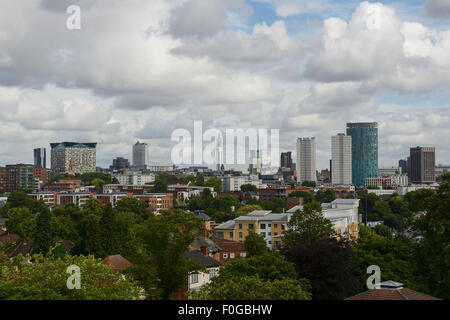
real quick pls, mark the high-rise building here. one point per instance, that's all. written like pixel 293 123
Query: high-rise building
pixel 19 177
pixel 255 165
pixel 286 160
pixel 341 158
pixel 404 165
pixel 2 179
pixel 120 164
pixel 306 159
pixel 421 166
pixel 364 151
pixel 73 157
pixel 40 158
pixel 140 154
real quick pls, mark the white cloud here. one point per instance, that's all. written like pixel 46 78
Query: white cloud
pixel 288 9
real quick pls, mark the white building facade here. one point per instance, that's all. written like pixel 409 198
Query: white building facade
pixel 306 159
pixel 341 159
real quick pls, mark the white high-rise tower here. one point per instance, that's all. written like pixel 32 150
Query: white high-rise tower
pixel 140 154
pixel 341 159
pixel 306 159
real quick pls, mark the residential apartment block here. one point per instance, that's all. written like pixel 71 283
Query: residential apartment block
pixel 341 159
pixel 343 214
pixel 306 159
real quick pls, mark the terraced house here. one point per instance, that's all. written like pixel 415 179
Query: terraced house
pixel 343 214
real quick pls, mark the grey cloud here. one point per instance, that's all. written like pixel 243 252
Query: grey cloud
pixel 438 8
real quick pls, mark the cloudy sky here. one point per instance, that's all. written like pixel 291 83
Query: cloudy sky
pixel 139 69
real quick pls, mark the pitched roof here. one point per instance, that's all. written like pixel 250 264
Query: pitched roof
pixel 391 290
pixel 230 245
pixel 117 261
pixel 22 248
pixel 8 237
pixel 226 225
pixel 206 261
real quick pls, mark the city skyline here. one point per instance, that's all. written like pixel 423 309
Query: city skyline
pixel 299 81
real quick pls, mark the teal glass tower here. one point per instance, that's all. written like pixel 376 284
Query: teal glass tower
pixel 364 151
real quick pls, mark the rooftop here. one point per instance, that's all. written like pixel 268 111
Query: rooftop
pixel 198 257
pixel 391 290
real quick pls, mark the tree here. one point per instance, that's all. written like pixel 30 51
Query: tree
pixel 43 234
pixel 98 183
pixel 307 197
pixel 249 188
pixel 383 230
pixel 308 224
pixel 253 288
pixel 329 264
pixel 311 184
pixel 245 210
pixel 166 238
pixel 266 276
pixel 255 244
pixel 21 221
pixel 135 206
pixel 45 279
pixel 266 266
pixel 394 256
pixel 433 252
pixel 326 196
pixel 214 182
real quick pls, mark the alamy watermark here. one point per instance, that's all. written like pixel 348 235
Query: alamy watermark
pixel 73 22
pixel 260 146
pixel 74 280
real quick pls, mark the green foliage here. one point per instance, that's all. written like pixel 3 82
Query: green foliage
pixel 45 279
pixel 308 224
pixel 43 233
pixel 266 266
pixel 214 182
pixel 266 276
pixel 383 230
pixel 329 264
pixel 166 238
pixel 433 252
pixel 253 288
pixel 98 183
pixel 21 221
pixel 326 196
pixel 394 256
pixel 311 184
pixel 307 197
pixel 255 244
pixel 249 188
pixel 245 210
pixel 137 207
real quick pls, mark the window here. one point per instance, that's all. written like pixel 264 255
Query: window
pixel 231 235
pixel 269 225
pixel 283 227
pixel 269 233
pixel 263 225
pixel 250 226
pixel 275 225
pixel 232 255
pixel 240 234
pixel 225 255
pixel 270 242
pixel 263 234
pixel 275 233
pixel 243 254
pixel 194 278
pixel 219 235
pixel 212 273
pixel 240 225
